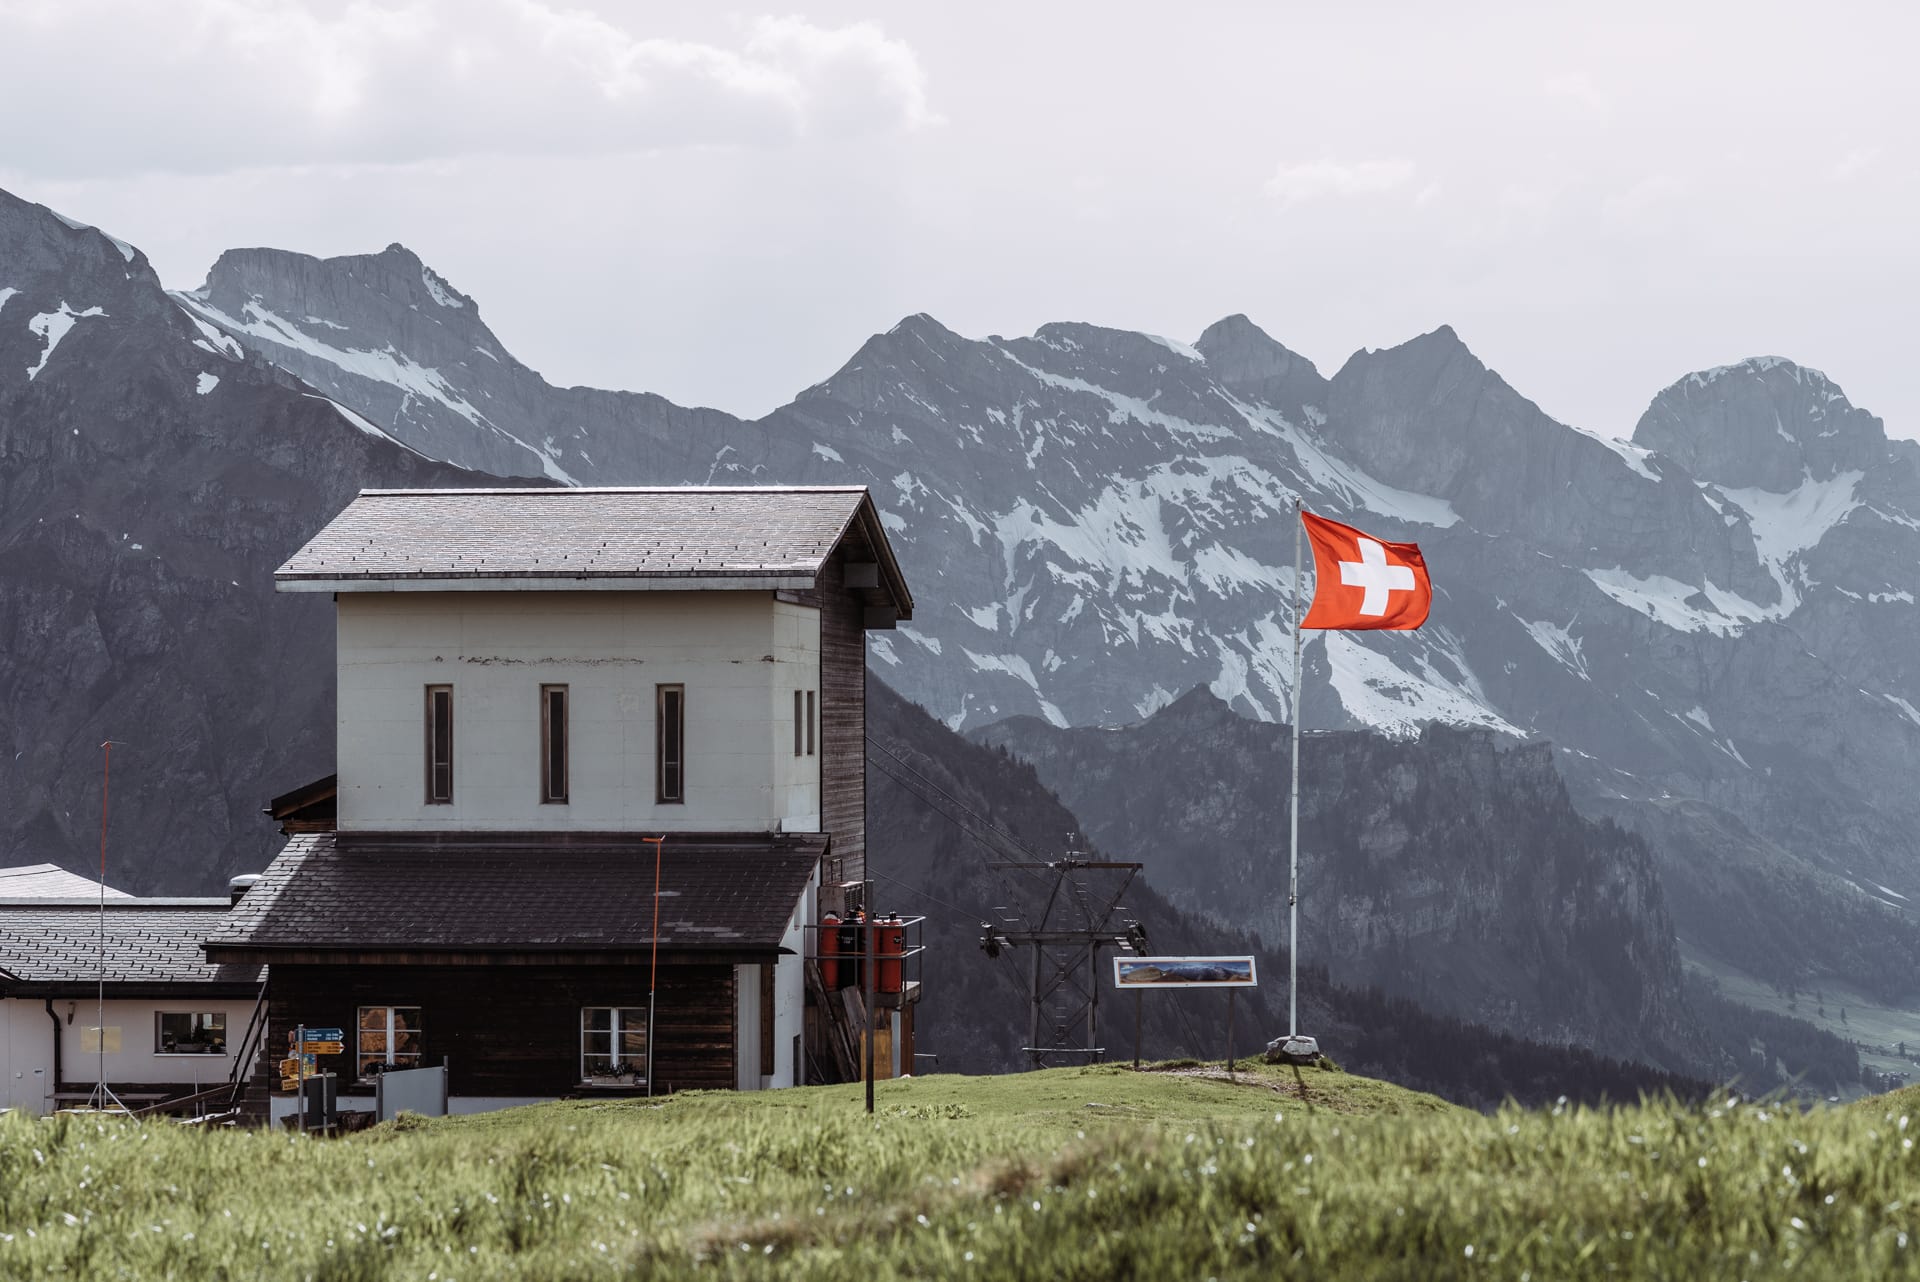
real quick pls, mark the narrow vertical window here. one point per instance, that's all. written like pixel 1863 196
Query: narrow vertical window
pixel 439 745
pixel 671 767
pixel 810 723
pixel 799 725
pixel 553 744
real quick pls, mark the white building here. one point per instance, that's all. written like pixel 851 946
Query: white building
pixel 176 1026
pixel 533 683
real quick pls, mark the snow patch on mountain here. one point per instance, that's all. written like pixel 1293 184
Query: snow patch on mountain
pixel 1682 606
pixel 51 327
pixel 126 251
pixel 1378 692
pixel 1017 667
pixel 1123 408
pixel 5 294
pixel 1343 480
pixel 213 340
pixel 1178 349
pixel 1559 642
pixel 1786 525
pixel 1632 455
pixel 442 292
pixel 206 383
pixel 387 365
pixel 360 421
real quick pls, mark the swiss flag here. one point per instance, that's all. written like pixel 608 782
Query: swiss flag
pixel 1364 582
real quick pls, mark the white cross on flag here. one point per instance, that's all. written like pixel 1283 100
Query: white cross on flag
pixel 1364 582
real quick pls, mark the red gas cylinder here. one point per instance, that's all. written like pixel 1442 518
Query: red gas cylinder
pixel 891 946
pixel 853 949
pixel 827 945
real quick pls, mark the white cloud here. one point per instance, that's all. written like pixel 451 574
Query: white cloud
pixel 1856 162
pixel 1320 179
pixel 226 85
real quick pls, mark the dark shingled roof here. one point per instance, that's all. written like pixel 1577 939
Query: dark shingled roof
pixel 151 945
pixel 641 537
pixel 544 893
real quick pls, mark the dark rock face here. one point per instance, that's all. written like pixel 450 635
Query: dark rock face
pixel 1450 869
pixel 151 479
pixel 1765 423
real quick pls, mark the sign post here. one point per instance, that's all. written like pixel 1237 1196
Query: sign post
pixel 1142 973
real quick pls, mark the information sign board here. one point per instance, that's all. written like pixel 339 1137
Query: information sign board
pixel 1184 972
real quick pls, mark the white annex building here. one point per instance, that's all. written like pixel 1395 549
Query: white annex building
pixel 179 1031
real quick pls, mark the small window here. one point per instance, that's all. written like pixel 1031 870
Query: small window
pixel 439 745
pixel 613 1045
pixel 810 723
pixel 671 714
pixel 190 1033
pixel 799 725
pixel 388 1038
pixel 553 744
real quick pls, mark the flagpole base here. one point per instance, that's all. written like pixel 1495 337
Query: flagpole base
pixel 1296 1048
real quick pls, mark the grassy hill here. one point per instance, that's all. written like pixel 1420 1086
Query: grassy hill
pixel 1072 1173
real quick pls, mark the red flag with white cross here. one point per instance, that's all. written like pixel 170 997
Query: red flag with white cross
pixel 1364 582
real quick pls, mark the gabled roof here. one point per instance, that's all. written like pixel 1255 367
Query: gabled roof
pixel 545 895
pixel 312 807
pixel 582 538
pixel 49 881
pixel 152 946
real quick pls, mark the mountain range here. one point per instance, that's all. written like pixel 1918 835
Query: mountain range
pixel 1702 631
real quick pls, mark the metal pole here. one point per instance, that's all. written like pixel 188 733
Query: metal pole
pixel 867 982
pixel 1293 808
pixel 653 969
pixel 300 1071
pixel 1229 1032
pixel 1093 1002
pixel 1136 1027
pixel 100 1000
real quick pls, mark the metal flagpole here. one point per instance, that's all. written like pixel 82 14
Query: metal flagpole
pixel 1293 809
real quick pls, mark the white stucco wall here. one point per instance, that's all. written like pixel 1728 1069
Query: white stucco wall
pixel 26 1055
pixel 26 1046
pixel 740 656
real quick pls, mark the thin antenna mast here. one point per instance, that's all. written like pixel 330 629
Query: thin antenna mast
pixel 101 1092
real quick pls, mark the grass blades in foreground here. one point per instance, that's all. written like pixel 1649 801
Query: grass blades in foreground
pixel 1068 1174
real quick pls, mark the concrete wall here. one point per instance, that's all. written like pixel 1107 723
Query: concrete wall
pixel 740 655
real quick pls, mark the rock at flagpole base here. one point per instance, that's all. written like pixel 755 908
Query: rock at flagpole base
pixel 1295 1049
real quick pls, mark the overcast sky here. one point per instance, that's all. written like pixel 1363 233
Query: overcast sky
pixel 720 206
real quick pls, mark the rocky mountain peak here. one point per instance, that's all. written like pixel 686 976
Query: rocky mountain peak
pixel 54 265
pixel 1764 423
pixel 1248 362
pixel 367 295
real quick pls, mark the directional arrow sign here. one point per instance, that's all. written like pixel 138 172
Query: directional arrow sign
pixel 323 1048
pixel 325 1035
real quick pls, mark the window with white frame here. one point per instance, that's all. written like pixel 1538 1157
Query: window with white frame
pixel 613 1045
pixel 388 1037
pixel 190 1032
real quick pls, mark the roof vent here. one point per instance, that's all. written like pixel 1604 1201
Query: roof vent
pixel 238 886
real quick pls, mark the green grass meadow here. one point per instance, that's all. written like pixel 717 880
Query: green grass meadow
pixel 1067 1174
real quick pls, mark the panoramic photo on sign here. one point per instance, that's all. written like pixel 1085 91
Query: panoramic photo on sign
pixel 1184 972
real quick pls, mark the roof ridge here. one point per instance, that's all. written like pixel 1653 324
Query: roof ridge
pixel 560 491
